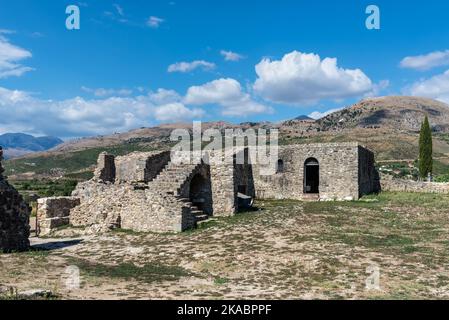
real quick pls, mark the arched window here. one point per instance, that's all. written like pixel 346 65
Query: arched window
pixel 280 166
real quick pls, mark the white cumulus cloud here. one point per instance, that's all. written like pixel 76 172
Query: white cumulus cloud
pixel 10 56
pixel 436 87
pixel 231 56
pixel 177 111
pixel 75 117
pixel 318 114
pixel 102 92
pixel 228 94
pixel 305 78
pixel 426 61
pixel 190 66
pixel 164 96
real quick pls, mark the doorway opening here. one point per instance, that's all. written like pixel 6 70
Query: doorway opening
pixel 311 176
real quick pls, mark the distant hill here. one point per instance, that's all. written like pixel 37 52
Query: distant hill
pixel 303 118
pixel 387 125
pixel 18 144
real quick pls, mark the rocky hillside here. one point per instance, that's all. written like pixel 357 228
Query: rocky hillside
pixel 395 113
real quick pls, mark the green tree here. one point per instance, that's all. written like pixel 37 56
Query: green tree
pixel 425 149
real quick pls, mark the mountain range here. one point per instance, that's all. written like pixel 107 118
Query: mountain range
pixel 387 125
pixel 18 144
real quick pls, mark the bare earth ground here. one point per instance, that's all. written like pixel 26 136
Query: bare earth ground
pixel 285 250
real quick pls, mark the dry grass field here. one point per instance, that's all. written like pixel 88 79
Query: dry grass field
pixel 283 250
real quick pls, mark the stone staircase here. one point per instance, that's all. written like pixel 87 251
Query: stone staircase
pixel 172 180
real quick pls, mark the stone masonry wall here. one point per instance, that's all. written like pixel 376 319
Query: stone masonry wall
pixel 105 170
pixel 54 212
pixel 224 192
pixel 338 172
pixel 14 217
pixel 140 166
pixel 389 183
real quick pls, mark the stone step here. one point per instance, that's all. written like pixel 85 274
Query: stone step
pixel 203 217
pixel 310 197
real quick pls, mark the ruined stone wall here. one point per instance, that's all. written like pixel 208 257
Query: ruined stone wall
pixel 389 183
pixel 156 212
pixel 127 203
pixel 243 174
pixel 338 172
pixel 199 185
pixel 105 170
pixel 140 166
pixel 224 192
pixel 54 212
pixel 99 204
pixel 14 217
pixel 124 206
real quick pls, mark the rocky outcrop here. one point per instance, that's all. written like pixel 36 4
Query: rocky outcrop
pixel 14 217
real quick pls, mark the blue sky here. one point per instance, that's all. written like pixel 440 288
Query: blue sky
pixel 140 63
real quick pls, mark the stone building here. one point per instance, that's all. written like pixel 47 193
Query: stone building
pixel 331 171
pixel 146 191
pixel 14 217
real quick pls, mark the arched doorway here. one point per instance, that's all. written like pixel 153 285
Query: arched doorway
pixel 311 176
pixel 200 193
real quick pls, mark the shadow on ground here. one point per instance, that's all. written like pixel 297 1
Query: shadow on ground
pixel 54 245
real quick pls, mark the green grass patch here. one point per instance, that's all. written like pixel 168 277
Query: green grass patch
pixel 220 281
pixel 148 273
pixel 45 188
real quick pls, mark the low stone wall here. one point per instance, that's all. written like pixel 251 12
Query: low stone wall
pixel 54 212
pixel 111 206
pixel 156 212
pixel 100 204
pixel 402 185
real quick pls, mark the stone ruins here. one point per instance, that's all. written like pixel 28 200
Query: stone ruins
pixel 14 217
pixel 146 191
